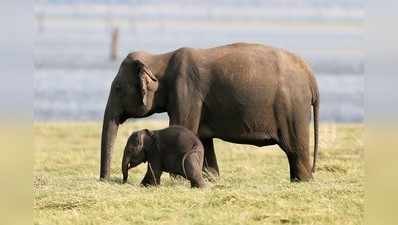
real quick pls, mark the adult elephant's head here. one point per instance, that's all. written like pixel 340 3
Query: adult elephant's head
pixel 134 94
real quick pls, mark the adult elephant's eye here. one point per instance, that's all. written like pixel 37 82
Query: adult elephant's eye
pixel 119 90
pixel 118 87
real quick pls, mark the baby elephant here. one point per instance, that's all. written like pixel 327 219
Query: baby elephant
pixel 174 150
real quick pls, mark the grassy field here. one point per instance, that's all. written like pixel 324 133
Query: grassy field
pixel 254 186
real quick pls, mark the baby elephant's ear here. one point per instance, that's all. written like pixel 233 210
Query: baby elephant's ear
pixel 148 133
pixel 143 135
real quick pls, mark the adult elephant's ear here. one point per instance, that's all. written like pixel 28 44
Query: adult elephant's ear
pixel 148 83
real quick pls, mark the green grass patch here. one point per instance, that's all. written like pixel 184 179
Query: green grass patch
pixel 254 186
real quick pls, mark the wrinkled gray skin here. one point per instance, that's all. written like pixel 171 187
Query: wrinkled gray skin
pixel 241 93
pixel 174 150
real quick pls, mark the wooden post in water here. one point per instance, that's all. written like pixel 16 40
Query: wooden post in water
pixel 114 43
pixel 40 21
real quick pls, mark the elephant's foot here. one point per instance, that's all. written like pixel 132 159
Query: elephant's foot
pixel 300 170
pixel 301 178
pixel 209 171
pixel 104 179
pixel 151 178
pixel 210 165
pixel 210 174
pixel 105 174
pixel 175 176
pixel 198 183
pixel 150 182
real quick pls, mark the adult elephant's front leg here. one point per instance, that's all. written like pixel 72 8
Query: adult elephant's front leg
pixel 210 161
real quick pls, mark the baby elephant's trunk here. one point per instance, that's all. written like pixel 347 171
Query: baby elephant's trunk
pixel 125 168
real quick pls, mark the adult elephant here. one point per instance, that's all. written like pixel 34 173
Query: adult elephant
pixel 241 93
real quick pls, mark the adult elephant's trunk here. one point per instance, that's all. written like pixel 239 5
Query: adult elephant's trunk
pixel 125 167
pixel 109 132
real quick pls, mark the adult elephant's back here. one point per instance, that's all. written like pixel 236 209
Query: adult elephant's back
pixel 251 86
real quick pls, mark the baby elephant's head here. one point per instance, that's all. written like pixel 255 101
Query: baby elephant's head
pixel 135 151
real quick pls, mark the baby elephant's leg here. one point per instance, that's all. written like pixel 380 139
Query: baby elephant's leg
pixel 152 176
pixel 193 171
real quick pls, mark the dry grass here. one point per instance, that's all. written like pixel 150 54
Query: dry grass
pixel 254 186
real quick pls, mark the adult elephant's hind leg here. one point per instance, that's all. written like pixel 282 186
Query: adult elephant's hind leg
pixel 210 165
pixel 294 140
pixel 299 167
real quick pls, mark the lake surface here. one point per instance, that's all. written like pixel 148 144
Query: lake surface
pixel 81 95
pixel 73 71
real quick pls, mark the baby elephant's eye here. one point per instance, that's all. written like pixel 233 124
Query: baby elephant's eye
pixel 130 147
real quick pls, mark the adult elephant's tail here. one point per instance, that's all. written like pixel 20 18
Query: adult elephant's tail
pixel 315 106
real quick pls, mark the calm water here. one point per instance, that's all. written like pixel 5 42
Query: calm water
pixel 81 95
pixel 73 71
